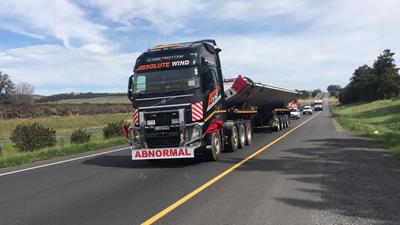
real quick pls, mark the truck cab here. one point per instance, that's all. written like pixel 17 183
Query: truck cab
pixel 176 91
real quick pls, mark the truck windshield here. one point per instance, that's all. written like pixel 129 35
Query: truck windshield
pixel 166 81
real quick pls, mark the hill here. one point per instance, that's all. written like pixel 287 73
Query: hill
pixel 379 120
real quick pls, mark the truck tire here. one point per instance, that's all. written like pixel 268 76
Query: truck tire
pixel 242 136
pixel 233 144
pixel 216 146
pixel 280 127
pixel 275 129
pixel 249 133
pixel 285 122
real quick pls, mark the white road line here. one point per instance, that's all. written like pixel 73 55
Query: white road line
pixel 60 162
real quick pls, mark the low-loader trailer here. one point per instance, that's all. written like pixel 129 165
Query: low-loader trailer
pixel 183 107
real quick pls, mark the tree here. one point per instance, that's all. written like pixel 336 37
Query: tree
pixel 379 82
pixel 22 94
pixel 334 90
pixel 315 92
pixel 304 94
pixel 6 89
pixel 388 78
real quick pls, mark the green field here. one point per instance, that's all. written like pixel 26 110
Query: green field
pixel 9 156
pixel 63 124
pixel 98 100
pixel 379 120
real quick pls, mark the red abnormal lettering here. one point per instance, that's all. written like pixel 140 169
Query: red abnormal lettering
pixel 165 153
pixel 174 152
pixel 181 152
pixel 144 154
pixel 158 153
pixel 187 152
pixel 151 153
pixel 137 154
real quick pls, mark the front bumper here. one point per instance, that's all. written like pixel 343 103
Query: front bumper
pixel 178 140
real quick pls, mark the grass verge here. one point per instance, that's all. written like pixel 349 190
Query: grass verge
pixel 58 151
pixel 63 123
pixel 379 120
pixel 97 100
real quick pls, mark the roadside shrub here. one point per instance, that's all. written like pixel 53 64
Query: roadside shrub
pixel 113 129
pixel 80 136
pixel 29 137
pixel 1 151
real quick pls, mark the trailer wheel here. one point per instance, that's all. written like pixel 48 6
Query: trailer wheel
pixel 249 133
pixel 215 152
pixel 233 140
pixel 242 136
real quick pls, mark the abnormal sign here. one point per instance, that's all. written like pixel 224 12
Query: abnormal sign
pixel 165 153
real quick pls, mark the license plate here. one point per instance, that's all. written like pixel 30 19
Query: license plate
pixel 161 128
pixel 164 153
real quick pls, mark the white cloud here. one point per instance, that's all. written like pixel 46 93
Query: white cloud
pixel 342 36
pixel 45 66
pixel 59 19
pixel 163 15
pixel 256 11
pixel 322 44
pixel 296 62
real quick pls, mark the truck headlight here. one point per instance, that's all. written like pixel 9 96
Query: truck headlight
pixel 151 122
pixel 196 132
pixel 174 121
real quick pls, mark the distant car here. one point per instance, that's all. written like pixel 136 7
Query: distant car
pixel 295 113
pixel 307 110
pixel 318 107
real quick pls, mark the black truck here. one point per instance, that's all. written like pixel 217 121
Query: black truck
pixel 183 107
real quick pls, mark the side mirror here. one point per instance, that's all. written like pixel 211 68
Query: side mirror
pixel 130 88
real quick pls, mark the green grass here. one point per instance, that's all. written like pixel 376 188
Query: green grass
pixel 10 157
pixel 98 100
pixel 63 123
pixel 379 120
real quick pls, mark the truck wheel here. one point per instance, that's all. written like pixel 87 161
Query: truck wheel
pixel 275 129
pixel 249 133
pixel 280 124
pixel 285 122
pixel 233 140
pixel 242 136
pixel 215 146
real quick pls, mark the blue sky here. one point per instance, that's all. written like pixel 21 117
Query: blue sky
pixel 91 45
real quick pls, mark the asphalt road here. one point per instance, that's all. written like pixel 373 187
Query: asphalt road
pixel 316 174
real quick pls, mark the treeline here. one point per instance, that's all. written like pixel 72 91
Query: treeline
pixel 381 81
pixel 308 93
pixel 18 101
pixel 45 110
pixel 73 95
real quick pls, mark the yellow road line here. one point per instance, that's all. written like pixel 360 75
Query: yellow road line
pixel 175 205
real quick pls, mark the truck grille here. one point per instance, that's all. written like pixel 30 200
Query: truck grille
pixel 162 118
pixel 162 139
